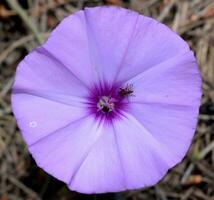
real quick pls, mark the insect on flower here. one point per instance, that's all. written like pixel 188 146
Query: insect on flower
pixel 126 91
pixel 74 114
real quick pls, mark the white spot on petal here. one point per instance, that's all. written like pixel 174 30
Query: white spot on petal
pixel 33 124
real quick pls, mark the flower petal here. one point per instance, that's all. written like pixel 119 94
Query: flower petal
pixel 176 81
pixel 101 171
pixel 60 154
pixel 151 44
pixel 68 44
pixel 145 160
pixel 172 125
pixel 110 32
pixel 40 72
pixel 128 156
pixel 38 117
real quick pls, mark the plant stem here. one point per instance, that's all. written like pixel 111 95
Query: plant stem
pixel 22 14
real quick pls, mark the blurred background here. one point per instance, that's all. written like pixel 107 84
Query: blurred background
pixel 26 23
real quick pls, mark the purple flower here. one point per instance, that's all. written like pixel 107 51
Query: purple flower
pixel 109 102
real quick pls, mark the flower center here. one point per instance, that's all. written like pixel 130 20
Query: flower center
pixel 106 104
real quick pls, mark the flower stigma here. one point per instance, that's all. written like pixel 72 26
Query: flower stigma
pixel 106 104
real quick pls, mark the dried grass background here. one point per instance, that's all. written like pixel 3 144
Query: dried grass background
pixel 25 23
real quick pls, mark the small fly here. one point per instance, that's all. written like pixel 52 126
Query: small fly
pixel 126 91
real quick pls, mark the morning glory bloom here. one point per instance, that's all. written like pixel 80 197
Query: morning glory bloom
pixel 109 102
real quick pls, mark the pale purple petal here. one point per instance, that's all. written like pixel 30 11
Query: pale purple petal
pixel 43 99
pixel 176 81
pixel 173 126
pixel 145 160
pixel 68 44
pixel 151 44
pixel 110 32
pixel 61 153
pixel 41 72
pixel 101 170
pixel 38 117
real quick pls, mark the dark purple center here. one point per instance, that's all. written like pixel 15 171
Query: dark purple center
pixel 106 102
